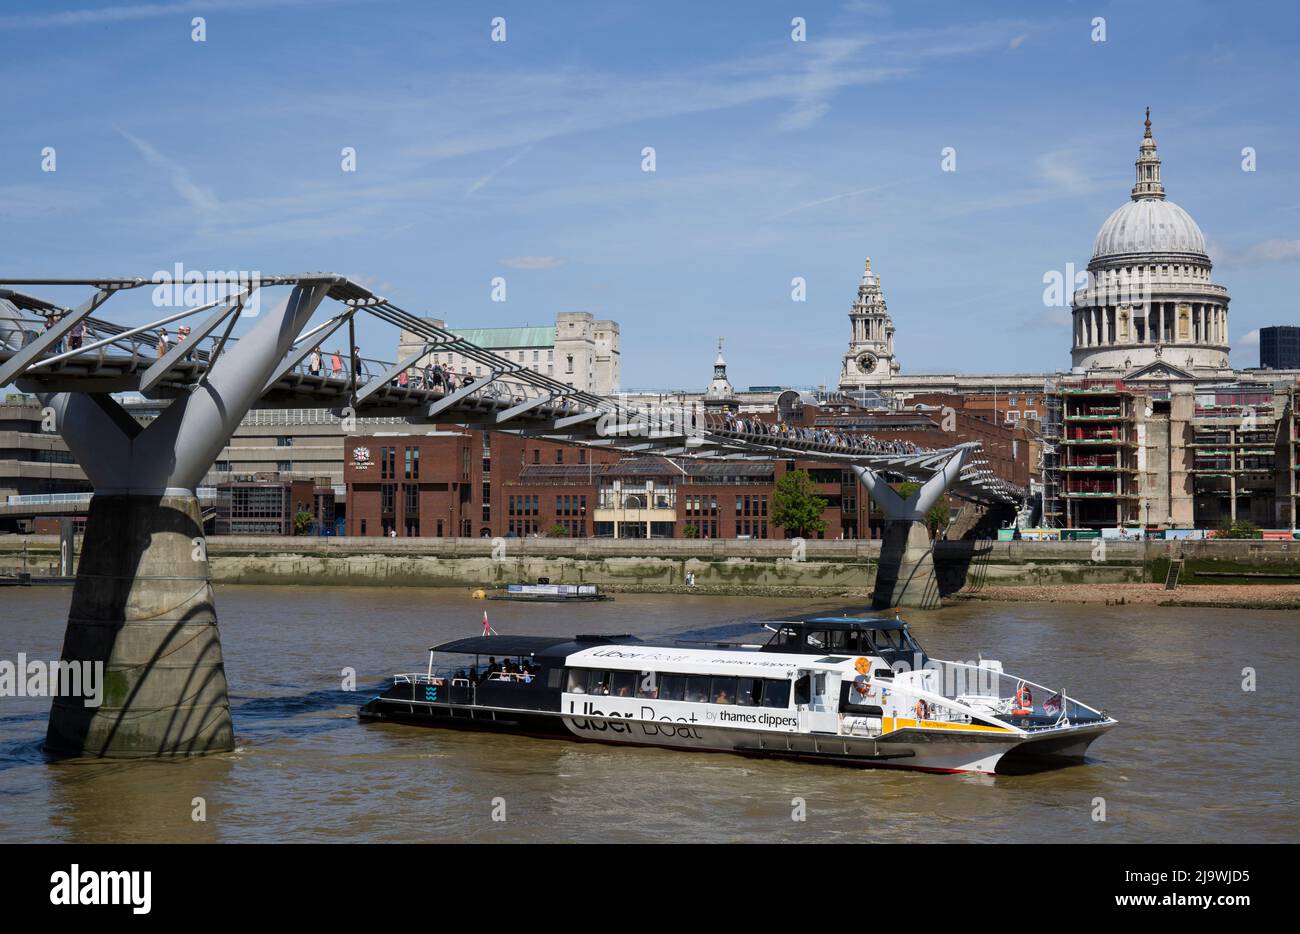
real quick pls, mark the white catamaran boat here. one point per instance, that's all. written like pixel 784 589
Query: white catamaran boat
pixel 847 690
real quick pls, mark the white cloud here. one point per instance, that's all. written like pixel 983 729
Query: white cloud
pixel 533 263
pixel 839 197
pixel 1249 339
pixel 508 108
pixel 498 170
pixel 200 198
pixel 1060 169
pixel 142 11
pixel 1267 251
pixel 1018 41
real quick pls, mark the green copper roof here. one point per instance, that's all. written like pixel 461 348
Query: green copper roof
pixel 496 338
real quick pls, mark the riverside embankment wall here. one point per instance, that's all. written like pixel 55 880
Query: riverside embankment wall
pixel 723 566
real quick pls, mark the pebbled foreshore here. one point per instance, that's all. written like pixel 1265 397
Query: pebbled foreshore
pixel 1236 596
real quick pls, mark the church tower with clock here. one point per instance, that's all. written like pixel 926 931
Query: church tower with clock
pixel 869 361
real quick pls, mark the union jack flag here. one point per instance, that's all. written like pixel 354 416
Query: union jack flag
pixel 1054 704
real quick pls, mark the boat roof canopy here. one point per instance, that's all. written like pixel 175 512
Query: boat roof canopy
pixel 508 646
pixel 841 622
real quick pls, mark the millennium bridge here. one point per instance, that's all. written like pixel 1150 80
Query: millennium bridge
pixel 142 604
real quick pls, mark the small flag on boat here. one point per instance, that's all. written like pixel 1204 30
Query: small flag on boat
pixel 487 627
pixel 1054 704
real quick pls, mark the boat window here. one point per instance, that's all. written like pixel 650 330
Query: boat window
pixel 598 682
pixel 787 637
pixel 749 692
pixel 697 689
pixel 895 646
pixel 553 678
pixel 886 639
pixel 819 639
pixel 724 691
pixel 578 680
pixel 672 687
pixel 842 640
pixel 803 689
pixel 776 694
pixel 913 647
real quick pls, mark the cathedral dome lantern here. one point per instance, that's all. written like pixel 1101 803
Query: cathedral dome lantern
pixel 1149 285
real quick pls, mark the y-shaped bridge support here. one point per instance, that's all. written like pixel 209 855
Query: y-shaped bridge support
pixel 905 576
pixel 142 604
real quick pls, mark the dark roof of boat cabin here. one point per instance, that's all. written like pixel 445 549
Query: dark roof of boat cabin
pixel 510 646
pixel 816 621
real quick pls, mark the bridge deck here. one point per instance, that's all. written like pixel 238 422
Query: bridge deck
pixel 102 356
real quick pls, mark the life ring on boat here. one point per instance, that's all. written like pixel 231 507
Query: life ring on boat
pixel 1024 703
pixel 921 710
pixel 860 690
pixel 862 666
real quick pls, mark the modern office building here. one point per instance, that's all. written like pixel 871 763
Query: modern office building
pixel 268 505
pixel 1279 347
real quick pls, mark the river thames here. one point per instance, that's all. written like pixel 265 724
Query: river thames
pixel 1194 759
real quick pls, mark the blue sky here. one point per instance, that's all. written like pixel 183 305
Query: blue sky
pixel 774 159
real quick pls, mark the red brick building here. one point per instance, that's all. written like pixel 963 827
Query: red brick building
pixel 410 484
pixel 472 483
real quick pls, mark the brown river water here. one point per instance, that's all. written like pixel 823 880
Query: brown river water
pixel 1195 758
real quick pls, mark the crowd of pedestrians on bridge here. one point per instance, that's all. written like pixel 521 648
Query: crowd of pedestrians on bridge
pixel 438 378
pixel 824 436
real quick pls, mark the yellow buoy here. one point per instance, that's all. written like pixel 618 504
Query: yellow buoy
pixel 480 595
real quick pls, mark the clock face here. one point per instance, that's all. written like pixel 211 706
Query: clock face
pixel 867 362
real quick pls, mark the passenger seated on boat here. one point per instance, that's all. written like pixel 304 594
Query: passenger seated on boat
pixel 724 691
pixel 697 689
pixel 492 668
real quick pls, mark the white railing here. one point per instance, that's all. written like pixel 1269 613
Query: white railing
pixel 46 499
pixel 992 692
pixel 55 499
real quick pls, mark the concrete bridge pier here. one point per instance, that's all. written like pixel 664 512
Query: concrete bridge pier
pixel 142 605
pixel 905 576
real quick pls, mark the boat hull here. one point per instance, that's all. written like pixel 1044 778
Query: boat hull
pixel 931 750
